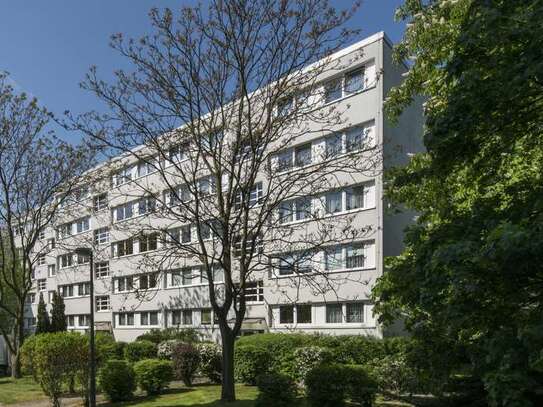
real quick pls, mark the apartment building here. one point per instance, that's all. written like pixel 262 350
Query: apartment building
pixel 132 298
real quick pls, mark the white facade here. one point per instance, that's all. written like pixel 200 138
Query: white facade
pixel 177 299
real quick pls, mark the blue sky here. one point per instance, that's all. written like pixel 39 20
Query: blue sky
pixel 48 46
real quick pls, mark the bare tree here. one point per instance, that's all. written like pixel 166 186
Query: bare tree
pixel 35 168
pixel 216 112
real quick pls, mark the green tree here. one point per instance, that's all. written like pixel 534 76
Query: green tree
pixel 58 316
pixel 469 283
pixel 43 324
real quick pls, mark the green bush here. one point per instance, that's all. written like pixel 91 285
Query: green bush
pixel 166 348
pixel 153 375
pixel 210 361
pixel 186 361
pixel 58 359
pixel 307 358
pixel 188 335
pixel 326 386
pixel 27 357
pixel 140 350
pixel 117 380
pixel 275 390
pixel 394 374
pixel 361 386
pixel 107 348
pixel 250 362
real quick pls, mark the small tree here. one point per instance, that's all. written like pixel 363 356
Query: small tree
pixel 58 316
pixel 43 324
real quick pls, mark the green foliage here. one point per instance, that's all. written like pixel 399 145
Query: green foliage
pixel 187 335
pixel 165 349
pixel 361 385
pixel 107 348
pixel 117 379
pixel 276 390
pixel 307 358
pixel 394 374
pixel 468 282
pixel 250 362
pixel 58 316
pixel 210 361
pixel 59 358
pixel 27 357
pixel 153 375
pixel 139 350
pixel 186 361
pixel 42 325
pixel 326 386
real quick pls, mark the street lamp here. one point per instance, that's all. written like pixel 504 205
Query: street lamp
pixel 85 251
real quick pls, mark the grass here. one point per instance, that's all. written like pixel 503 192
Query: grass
pixel 19 390
pixel 25 390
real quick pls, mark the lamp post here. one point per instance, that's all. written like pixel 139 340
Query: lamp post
pixel 85 251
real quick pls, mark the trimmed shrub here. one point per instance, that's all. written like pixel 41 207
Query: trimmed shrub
pixel 307 358
pixel 156 336
pixel 326 386
pixel 250 362
pixel 394 375
pixel 210 361
pixel 186 361
pixel 107 348
pixel 117 380
pixel 58 359
pixel 27 357
pixel 361 386
pixel 153 375
pixel 165 349
pixel 276 390
pixel 139 350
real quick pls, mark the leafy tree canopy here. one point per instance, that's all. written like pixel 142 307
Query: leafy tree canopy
pixel 470 281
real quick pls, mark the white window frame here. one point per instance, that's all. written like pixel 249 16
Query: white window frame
pixel 103 303
pixel 101 271
pixel 101 235
pixel 100 202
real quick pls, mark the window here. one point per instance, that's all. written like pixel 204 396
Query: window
pixel 123 212
pixel 83 289
pixel 333 145
pixel 64 230
pixel 205 316
pixel 66 291
pixel 146 205
pixel 82 259
pixel 354 197
pixel 147 167
pixel 218 274
pixel 41 259
pixel 147 281
pixel 356 138
pixel 332 90
pixel 295 263
pixel 251 243
pixel 333 258
pixel 354 81
pixel 101 236
pixel 333 202
pixel 42 284
pixel 302 155
pixel 31 298
pixel 125 284
pixel 284 107
pixel 99 202
pixel 70 320
pixel 286 314
pixel 255 196
pixel 177 195
pixel 355 312
pixel 254 291
pixel 334 314
pixel 148 243
pixel 126 319
pixel 294 210
pixel 284 161
pixel 206 186
pixel 102 303
pixel 182 317
pixel 51 270
pixel 355 255
pixel 50 296
pixel 102 269
pixel 303 314
pixel 51 243
pixel 149 318
pixel 41 235
pixel 82 225
pixel 83 320
pixel 122 177
pixel 187 317
pixel 177 153
pixel 122 248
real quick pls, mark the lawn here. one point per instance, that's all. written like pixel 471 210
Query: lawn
pixel 25 390
pixel 19 390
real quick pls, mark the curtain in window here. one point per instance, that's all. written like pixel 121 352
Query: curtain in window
pixel 334 314
pixel 355 197
pixel 334 258
pixel 355 312
pixel 333 202
pixel 355 255
pixel 333 145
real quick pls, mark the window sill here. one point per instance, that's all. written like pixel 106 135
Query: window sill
pixel 326 216
pixel 324 272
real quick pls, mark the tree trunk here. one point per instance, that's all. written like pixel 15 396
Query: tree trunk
pixel 228 392
pixel 16 365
